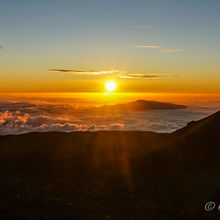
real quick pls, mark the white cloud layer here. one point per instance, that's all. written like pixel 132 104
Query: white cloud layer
pixel 23 117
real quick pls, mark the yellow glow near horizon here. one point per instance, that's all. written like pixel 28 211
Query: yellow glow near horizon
pixel 110 86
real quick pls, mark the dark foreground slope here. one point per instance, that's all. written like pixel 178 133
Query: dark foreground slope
pixel 112 175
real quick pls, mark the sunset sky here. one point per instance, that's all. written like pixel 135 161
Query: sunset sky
pixel 76 46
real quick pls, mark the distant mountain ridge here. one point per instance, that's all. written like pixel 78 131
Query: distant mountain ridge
pixel 141 105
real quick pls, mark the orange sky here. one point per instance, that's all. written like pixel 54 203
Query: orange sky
pixel 149 46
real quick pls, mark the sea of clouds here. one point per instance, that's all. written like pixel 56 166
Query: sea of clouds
pixel 23 117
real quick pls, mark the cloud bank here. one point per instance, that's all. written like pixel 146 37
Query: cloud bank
pixel 17 123
pixel 23 117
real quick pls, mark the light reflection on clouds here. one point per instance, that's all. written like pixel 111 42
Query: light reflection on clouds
pixel 23 117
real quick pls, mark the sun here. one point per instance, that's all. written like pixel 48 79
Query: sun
pixel 110 86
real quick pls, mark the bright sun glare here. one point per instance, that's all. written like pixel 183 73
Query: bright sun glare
pixel 110 86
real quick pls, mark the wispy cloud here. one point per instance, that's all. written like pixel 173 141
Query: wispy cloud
pixel 85 72
pixel 143 76
pixel 144 26
pixel 173 50
pixel 148 46
pixel 112 73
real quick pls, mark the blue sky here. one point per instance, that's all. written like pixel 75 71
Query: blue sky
pixel 102 35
